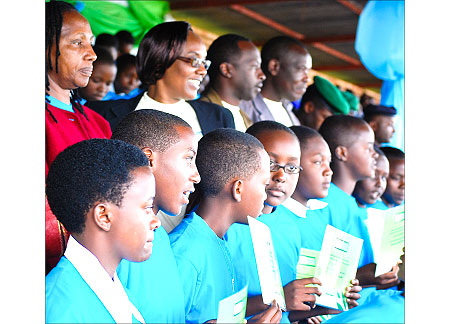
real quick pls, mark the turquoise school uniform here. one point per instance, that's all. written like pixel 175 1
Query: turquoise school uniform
pixel 312 221
pixel 205 266
pixel 380 307
pixel 155 284
pixel 379 204
pixel 286 243
pixel 346 215
pixel 70 299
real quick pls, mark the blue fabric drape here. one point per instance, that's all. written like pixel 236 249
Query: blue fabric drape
pixel 380 44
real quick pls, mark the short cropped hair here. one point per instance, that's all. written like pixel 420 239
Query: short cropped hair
pixel 108 40
pixel 304 134
pixel 103 56
pixel 124 37
pixel 224 49
pixel 88 172
pixel 159 49
pixel 341 130
pixel 223 155
pixel 268 125
pixel 124 61
pixel 393 153
pixel 312 95
pixel 152 128
pixel 277 48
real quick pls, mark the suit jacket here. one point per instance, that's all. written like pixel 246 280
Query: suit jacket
pixel 257 110
pixel 210 95
pixel 210 116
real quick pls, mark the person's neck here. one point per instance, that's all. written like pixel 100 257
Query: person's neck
pixel 300 198
pixel 226 93
pixel 270 92
pixel 268 209
pixel 101 251
pixel 158 93
pixel 387 203
pixel 59 93
pixel 221 221
pixel 344 181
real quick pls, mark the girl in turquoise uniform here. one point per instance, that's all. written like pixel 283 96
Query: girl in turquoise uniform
pixel 100 190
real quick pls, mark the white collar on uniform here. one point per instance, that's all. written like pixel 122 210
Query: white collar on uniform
pixel 110 292
pixel 299 209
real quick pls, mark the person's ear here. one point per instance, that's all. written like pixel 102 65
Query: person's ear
pixel 236 190
pixel 341 153
pixel 273 66
pixel 150 156
pixel 373 124
pixel 226 70
pixel 102 216
pixel 309 107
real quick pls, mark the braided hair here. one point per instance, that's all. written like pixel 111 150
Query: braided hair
pixel 54 11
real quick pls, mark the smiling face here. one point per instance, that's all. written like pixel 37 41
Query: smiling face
pixel 134 222
pixel 175 173
pixel 395 189
pixel 315 179
pixel 77 55
pixel 368 191
pixel 100 82
pixel 181 80
pixel 248 77
pixel 283 148
pixel 292 78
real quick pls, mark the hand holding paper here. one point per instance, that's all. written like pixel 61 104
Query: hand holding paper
pixel 297 293
pixel 270 315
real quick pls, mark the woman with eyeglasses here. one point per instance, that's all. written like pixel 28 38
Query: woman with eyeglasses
pixel 171 64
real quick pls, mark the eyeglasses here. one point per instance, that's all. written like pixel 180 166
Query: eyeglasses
pixel 195 62
pixel 288 168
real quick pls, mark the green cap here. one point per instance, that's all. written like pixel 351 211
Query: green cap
pixel 352 100
pixel 332 95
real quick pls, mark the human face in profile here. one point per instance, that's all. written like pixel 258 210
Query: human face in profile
pixel 293 76
pixel 254 189
pixel 176 173
pixel 247 74
pixel 134 222
pixel 315 179
pixel 75 63
pixel 362 156
pixel 181 81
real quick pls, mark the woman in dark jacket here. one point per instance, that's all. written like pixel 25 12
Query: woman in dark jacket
pixel 171 64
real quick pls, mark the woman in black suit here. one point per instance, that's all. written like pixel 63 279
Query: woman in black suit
pixel 171 64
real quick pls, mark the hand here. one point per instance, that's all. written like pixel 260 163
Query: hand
pixel 270 315
pixel 296 294
pixel 314 320
pixel 213 321
pixel 388 279
pixel 352 293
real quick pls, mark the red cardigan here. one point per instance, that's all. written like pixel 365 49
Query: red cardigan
pixel 71 128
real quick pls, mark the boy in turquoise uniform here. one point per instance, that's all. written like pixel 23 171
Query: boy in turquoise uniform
pixel 169 144
pixel 395 189
pixel 351 143
pixel 284 151
pixel 101 190
pixel 368 192
pixel 235 170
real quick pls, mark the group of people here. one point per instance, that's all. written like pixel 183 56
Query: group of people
pixel 147 196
